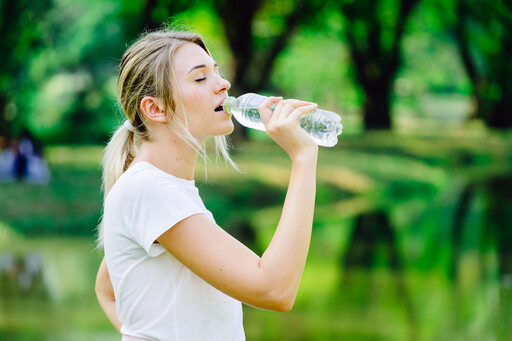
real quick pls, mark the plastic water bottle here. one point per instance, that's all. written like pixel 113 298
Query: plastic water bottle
pixel 323 126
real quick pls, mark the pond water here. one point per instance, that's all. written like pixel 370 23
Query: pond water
pixel 47 294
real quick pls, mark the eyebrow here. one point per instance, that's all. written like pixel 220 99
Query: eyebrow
pixel 200 66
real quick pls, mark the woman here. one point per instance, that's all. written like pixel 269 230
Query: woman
pixel 177 275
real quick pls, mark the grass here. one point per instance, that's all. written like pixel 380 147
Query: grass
pixel 68 205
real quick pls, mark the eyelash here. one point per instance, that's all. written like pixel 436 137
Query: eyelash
pixel 200 79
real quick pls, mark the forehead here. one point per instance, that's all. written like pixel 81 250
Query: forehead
pixel 188 56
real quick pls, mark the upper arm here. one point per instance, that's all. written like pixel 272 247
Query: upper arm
pixel 221 260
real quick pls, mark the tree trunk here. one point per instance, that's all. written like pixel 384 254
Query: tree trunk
pixel 253 66
pixel 372 232
pixel 500 220
pixel 237 18
pixel 147 20
pixel 377 106
pixel 376 62
pixel 500 116
pixel 496 73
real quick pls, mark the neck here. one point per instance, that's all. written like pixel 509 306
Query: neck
pixel 170 154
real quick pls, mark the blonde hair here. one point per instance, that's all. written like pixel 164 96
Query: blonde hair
pixel 146 69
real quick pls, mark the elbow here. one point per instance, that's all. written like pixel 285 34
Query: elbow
pixel 284 306
pixel 271 292
pixel 98 291
pixel 102 292
pixel 280 301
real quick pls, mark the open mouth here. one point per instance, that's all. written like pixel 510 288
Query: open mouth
pixel 219 108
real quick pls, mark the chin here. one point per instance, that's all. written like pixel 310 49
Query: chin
pixel 231 128
pixel 224 129
pixel 227 129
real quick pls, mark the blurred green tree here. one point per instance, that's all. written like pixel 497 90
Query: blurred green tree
pixel 483 30
pixel 73 76
pixel 22 32
pixel 149 15
pixel 373 33
pixel 257 31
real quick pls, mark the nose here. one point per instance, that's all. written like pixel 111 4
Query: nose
pixel 222 85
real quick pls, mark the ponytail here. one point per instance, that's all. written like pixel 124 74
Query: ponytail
pixel 118 155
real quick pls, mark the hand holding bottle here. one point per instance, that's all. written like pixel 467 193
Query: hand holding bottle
pixel 322 125
pixel 281 124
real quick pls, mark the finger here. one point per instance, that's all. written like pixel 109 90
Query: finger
pixel 285 108
pixel 277 110
pixel 296 114
pixel 264 108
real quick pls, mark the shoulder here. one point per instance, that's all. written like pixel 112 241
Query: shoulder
pixel 143 177
pixel 145 182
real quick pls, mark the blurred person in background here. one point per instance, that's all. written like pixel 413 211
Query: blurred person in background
pixel 23 161
pixel 169 271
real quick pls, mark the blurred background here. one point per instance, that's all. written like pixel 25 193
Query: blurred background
pixel 412 238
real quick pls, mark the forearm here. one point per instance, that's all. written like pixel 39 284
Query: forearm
pixel 105 295
pixel 109 307
pixel 283 261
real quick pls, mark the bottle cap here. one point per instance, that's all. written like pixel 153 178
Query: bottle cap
pixel 225 105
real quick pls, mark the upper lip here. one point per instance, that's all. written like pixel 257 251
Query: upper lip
pixel 221 103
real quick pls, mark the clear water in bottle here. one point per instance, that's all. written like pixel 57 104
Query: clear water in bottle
pixel 323 126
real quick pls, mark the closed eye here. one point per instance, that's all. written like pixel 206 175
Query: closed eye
pixel 200 79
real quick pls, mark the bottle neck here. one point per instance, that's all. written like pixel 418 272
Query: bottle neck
pixel 228 104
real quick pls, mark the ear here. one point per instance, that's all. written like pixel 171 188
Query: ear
pixel 153 109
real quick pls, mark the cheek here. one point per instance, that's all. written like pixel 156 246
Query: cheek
pixel 187 101
pixel 195 97
pixel 191 95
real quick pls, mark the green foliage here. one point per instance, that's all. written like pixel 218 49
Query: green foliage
pixel 428 45
pixel 22 29
pixel 312 67
pixel 75 100
pixel 58 78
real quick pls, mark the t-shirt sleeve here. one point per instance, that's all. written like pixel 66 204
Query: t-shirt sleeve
pixel 162 204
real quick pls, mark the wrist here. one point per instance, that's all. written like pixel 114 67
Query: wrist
pixel 306 157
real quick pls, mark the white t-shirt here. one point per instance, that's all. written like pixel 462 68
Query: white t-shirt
pixel 157 297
